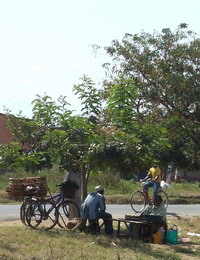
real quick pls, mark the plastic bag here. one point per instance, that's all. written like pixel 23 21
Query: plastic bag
pixel 164 185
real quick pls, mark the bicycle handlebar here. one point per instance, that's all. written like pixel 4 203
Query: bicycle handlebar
pixel 144 182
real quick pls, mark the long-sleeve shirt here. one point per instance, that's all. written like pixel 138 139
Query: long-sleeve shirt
pixel 93 203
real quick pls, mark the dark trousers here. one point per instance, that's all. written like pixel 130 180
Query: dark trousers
pixel 107 218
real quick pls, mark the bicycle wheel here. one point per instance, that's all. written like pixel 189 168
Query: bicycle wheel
pixel 67 210
pixel 164 196
pixel 42 214
pixel 138 202
pixel 23 210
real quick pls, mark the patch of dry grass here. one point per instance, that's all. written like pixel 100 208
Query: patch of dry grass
pixel 22 243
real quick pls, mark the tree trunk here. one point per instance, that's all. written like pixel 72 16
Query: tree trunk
pixel 81 178
pixel 84 179
pixel 76 177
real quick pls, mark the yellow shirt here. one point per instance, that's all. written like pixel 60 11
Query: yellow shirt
pixel 155 171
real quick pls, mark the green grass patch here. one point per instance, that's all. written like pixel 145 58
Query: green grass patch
pixel 116 190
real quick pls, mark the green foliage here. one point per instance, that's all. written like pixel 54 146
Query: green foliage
pixel 49 114
pixel 53 136
pixel 110 182
pixel 35 161
pixel 9 155
pixel 164 67
pixel 121 103
pixel 90 97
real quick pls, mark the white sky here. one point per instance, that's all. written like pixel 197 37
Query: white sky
pixel 45 45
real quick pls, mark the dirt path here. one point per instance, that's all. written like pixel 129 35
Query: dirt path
pixel 11 223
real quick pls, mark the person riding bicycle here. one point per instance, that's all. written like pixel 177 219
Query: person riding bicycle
pixel 154 175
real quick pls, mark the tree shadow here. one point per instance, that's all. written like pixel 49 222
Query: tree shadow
pixel 190 249
pixel 160 252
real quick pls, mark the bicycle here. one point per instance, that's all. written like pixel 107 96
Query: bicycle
pixel 28 199
pixel 47 212
pixel 139 201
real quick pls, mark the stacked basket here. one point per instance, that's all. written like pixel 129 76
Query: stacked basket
pixel 17 187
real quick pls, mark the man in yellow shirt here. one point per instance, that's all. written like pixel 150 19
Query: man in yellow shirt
pixel 154 177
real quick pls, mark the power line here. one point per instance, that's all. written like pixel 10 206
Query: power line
pixel 18 105
pixel 10 94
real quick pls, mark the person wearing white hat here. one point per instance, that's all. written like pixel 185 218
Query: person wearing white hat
pixel 99 188
pixel 94 208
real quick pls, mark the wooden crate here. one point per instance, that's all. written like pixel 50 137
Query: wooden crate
pixel 17 187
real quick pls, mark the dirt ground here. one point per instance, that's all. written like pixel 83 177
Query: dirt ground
pixel 11 223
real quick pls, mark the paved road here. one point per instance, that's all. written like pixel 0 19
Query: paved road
pixel 11 212
pixel 172 210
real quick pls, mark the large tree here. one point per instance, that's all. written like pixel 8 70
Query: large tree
pixel 165 67
pixel 130 143
pixel 55 136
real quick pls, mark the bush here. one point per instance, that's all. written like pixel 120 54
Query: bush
pixel 111 183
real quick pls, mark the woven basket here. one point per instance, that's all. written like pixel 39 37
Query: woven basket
pixel 68 192
pixel 17 187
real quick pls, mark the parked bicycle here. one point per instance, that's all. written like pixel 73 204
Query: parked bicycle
pixel 47 212
pixel 139 200
pixel 28 199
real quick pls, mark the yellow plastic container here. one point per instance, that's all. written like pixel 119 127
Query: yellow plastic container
pixel 157 238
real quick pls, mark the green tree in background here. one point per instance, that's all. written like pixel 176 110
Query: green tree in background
pixel 165 68
pixel 91 99
pixel 54 137
pixel 131 143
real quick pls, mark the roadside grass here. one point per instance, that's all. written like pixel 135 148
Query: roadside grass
pixel 117 190
pixel 23 243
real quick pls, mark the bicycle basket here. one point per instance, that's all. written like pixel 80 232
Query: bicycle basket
pixel 68 189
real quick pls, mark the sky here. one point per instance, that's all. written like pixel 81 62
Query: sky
pixel 46 45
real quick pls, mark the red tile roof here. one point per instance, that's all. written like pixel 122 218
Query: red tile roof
pixel 5 133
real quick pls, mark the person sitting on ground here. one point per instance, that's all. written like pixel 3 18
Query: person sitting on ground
pixel 94 207
pixel 154 175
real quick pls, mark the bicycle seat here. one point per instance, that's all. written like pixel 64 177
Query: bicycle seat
pixel 32 188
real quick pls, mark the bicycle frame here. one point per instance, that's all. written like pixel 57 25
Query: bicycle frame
pixel 140 197
pixel 150 189
pixel 58 198
pixel 55 209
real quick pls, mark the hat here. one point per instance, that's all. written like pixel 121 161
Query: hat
pixel 99 188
